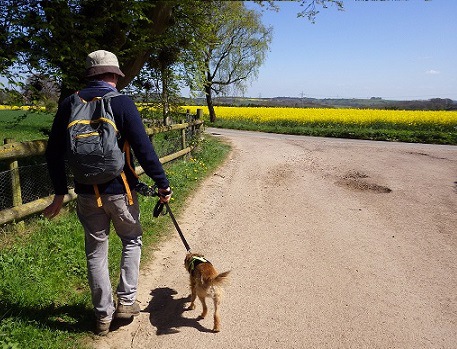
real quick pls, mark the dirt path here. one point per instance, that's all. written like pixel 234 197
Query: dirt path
pixel 333 244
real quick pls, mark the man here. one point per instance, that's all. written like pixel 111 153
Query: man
pixel 102 70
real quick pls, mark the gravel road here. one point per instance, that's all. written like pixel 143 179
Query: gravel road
pixel 332 243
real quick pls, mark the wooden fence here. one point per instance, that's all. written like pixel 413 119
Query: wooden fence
pixel 11 151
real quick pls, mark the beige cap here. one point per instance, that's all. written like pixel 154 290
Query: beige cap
pixel 101 62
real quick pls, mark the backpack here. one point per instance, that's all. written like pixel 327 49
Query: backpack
pixel 93 151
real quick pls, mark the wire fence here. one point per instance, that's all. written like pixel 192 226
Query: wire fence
pixel 34 181
pixel 34 178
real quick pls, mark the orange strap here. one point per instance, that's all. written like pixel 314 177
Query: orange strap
pixel 97 196
pixel 123 176
pixel 127 188
pixel 127 157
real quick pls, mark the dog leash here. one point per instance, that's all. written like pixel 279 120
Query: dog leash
pixel 146 190
pixel 181 235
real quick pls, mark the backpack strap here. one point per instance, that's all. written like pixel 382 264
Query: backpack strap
pixel 128 160
pixel 97 196
pixel 127 188
pixel 127 191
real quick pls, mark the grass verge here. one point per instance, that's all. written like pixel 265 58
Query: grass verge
pixel 44 296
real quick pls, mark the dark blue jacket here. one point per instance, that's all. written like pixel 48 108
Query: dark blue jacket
pixel 131 128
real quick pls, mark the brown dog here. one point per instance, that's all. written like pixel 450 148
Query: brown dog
pixel 205 282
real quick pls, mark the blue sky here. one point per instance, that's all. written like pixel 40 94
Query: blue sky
pixel 394 49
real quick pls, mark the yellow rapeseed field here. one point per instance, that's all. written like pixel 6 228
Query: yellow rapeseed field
pixel 23 107
pixel 322 115
pixel 319 115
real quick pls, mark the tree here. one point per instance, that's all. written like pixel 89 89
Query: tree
pixel 163 70
pixel 53 37
pixel 159 80
pixel 40 88
pixel 235 44
pixel 311 8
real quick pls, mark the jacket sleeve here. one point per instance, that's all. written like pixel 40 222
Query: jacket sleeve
pixel 56 147
pixel 132 129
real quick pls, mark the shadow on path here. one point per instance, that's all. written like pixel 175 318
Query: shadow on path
pixel 166 312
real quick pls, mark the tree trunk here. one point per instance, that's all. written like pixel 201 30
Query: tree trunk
pixel 209 102
pixel 165 96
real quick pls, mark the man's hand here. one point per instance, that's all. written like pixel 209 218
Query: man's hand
pixel 54 208
pixel 164 194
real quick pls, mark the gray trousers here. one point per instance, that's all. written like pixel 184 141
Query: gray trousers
pixel 96 222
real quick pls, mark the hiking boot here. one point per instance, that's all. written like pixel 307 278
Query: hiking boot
pixel 127 311
pixel 102 328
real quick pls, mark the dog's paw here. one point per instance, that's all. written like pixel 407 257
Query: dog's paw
pixel 191 307
pixel 216 329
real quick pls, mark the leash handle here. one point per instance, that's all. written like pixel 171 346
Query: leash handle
pixel 158 209
pixel 181 235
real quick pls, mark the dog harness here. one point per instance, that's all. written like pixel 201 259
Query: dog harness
pixel 196 261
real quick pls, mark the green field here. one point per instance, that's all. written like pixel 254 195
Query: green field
pixel 21 125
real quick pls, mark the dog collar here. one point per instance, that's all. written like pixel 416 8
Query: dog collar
pixel 196 261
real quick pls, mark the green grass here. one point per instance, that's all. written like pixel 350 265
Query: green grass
pixel 44 296
pixel 21 125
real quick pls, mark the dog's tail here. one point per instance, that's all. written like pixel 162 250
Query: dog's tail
pixel 221 279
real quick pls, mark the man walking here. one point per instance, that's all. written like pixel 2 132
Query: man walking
pixel 113 201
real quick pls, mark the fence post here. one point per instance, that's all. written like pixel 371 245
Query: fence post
pixel 15 180
pixel 190 129
pixel 199 117
pixel 183 136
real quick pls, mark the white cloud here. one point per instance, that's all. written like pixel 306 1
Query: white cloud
pixel 432 72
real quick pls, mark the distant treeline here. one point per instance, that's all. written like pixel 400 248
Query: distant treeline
pixel 295 102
